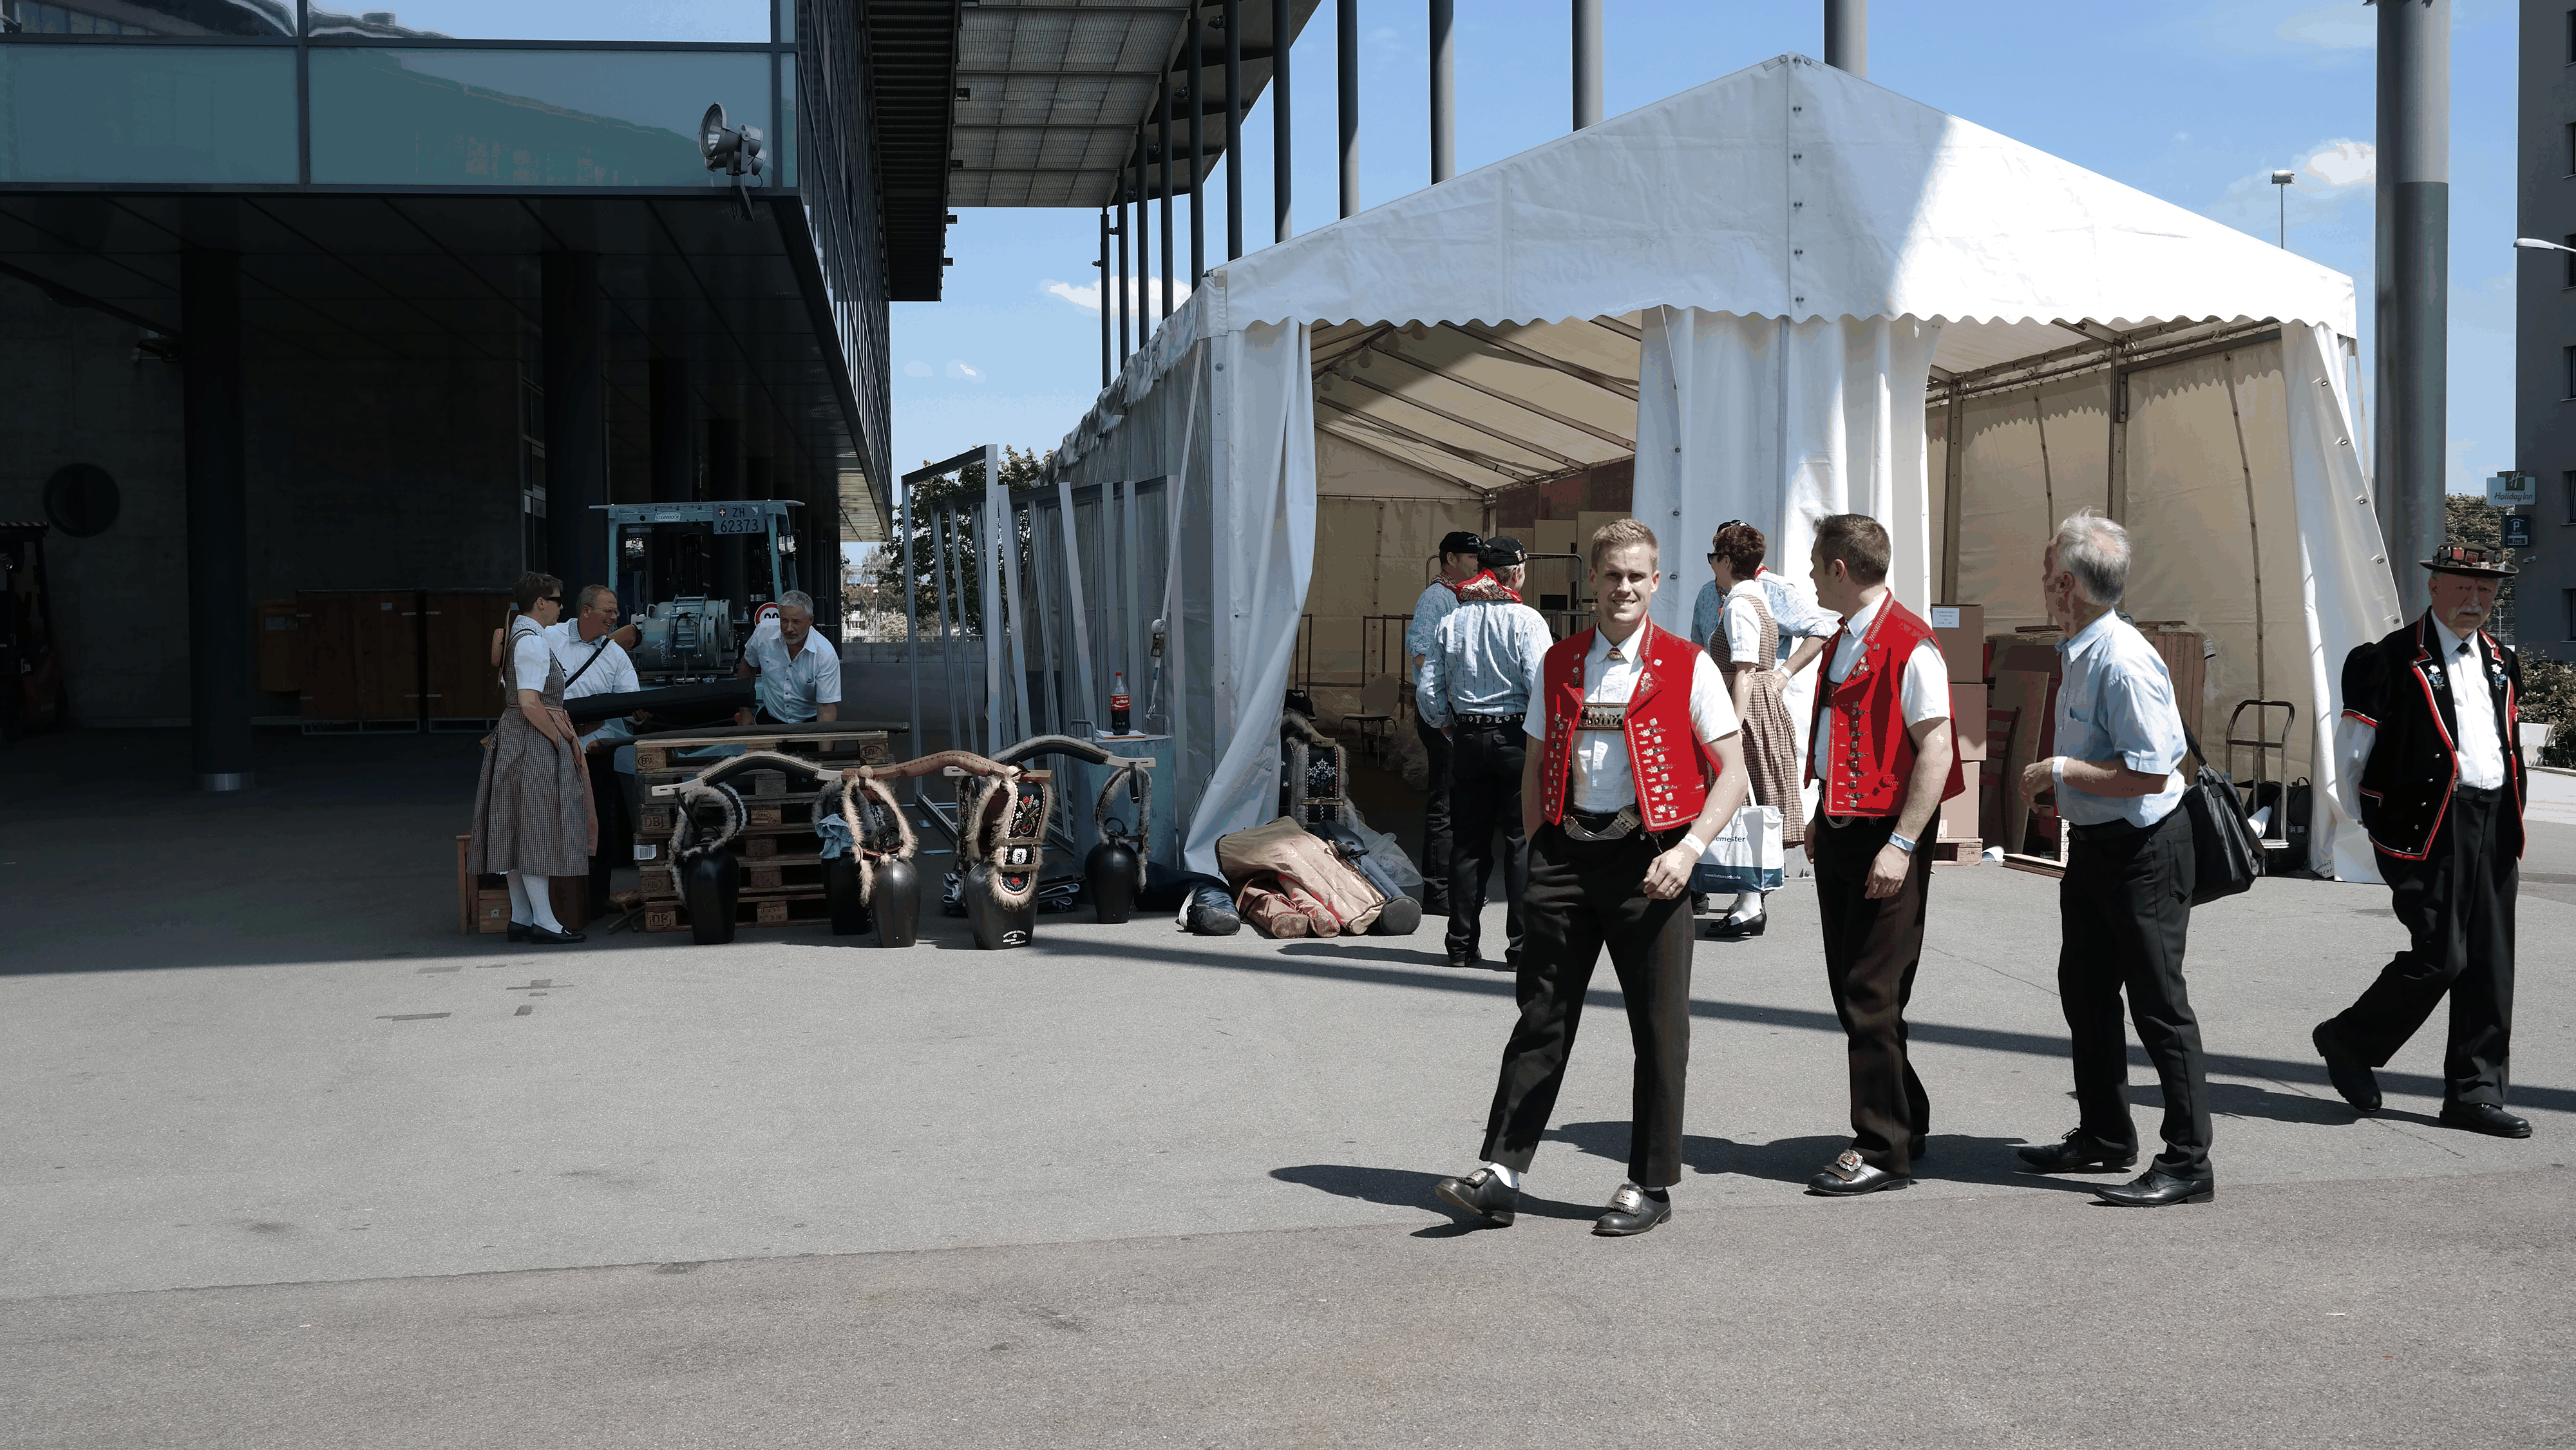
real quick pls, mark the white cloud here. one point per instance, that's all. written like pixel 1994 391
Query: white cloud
pixel 1147 294
pixel 2343 163
pixel 964 372
pixel 916 369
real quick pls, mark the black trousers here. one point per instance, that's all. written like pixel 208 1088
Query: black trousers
pixel 1584 896
pixel 616 823
pixel 2124 915
pixel 1435 817
pixel 1485 796
pixel 1871 950
pixel 2457 907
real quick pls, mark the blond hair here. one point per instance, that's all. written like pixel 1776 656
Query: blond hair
pixel 1619 534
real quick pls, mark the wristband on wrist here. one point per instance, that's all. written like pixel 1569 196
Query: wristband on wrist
pixel 1697 846
pixel 1900 843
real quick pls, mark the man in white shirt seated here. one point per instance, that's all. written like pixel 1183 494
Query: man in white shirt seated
pixel 798 671
pixel 594 663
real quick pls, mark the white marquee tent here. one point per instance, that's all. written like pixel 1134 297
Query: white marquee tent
pixel 1781 290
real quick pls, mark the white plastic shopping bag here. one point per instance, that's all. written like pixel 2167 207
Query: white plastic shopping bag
pixel 1746 856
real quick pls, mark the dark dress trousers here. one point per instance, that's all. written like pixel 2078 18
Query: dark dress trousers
pixel 1584 896
pixel 2449 853
pixel 1871 950
pixel 616 824
pixel 1435 815
pixel 2124 912
pixel 1484 798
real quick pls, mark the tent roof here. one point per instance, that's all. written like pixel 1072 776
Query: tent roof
pixel 1786 189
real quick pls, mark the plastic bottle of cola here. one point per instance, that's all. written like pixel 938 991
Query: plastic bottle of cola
pixel 1118 703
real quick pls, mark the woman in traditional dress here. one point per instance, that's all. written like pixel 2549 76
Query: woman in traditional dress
pixel 1746 645
pixel 532 811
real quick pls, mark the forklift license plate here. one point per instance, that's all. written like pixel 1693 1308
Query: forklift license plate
pixel 741 520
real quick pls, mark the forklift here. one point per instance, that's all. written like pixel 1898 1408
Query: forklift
pixel 696 579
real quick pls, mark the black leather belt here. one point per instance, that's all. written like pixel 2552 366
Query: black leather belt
pixel 1490 720
pixel 2479 792
pixel 2103 830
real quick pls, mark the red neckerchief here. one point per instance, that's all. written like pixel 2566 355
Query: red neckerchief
pixel 1483 587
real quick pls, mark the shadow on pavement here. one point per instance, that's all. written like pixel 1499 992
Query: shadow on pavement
pixel 1951 1157
pixel 1410 1188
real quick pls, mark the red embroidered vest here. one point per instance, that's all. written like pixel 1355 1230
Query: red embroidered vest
pixel 1869 749
pixel 1664 755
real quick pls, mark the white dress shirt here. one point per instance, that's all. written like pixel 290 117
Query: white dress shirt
pixel 2479 748
pixel 610 672
pixel 1925 695
pixel 793 689
pixel 1743 625
pixel 532 655
pixel 1604 780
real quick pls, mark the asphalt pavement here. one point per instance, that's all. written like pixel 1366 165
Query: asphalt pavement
pixel 289 1162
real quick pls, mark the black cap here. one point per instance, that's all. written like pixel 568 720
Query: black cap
pixel 1502 553
pixel 1459 541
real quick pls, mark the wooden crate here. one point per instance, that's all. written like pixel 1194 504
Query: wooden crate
pixel 458 677
pixel 358 665
pixel 749 911
pixel 782 870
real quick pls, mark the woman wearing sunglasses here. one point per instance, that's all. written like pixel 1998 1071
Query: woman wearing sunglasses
pixel 532 812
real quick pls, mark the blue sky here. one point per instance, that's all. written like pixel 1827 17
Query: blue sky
pixel 2194 103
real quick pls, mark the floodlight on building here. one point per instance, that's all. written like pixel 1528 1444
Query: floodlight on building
pixel 735 151
pixel 2537 245
pixel 2282 181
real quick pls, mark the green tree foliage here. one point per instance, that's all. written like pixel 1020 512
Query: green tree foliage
pixel 882 575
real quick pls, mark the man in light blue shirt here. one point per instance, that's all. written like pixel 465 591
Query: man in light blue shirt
pixel 799 674
pixel 1476 685
pixel 1457 564
pixel 2124 905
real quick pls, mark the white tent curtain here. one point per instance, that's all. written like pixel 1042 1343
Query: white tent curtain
pixel 1780 424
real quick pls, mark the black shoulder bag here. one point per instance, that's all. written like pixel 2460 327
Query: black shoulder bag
pixel 2226 854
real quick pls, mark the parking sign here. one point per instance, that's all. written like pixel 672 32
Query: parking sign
pixel 2517 531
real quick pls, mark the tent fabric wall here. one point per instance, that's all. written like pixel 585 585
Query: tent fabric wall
pixel 1781 424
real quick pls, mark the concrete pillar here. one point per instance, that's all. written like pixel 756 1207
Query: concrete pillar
pixel 1847 35
pixel 2413 304
pixel 576 394
pixel 1587 63
pixel 221 676
pixel 1444 91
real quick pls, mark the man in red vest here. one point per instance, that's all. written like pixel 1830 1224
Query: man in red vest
pixel 1634 765
pixel 1881 745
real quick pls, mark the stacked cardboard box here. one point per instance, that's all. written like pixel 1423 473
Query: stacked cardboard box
pixel 1961 629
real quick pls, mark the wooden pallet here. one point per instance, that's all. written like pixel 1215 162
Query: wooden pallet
pixel 760 876
pixel 755 911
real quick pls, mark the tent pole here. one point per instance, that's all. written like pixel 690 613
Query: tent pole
pixel 1954 492
pixel 2119 500
pixel 1106 281
pixel 1234 128
pixel 1283 29
pixel 1089 691
pixel 1144 240
pixel 1164 134
pixel 1444 91
pixel 1347 53
pixel 1587 63
pixel 1119 299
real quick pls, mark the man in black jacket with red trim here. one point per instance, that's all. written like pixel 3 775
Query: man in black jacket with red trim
pixel 2426 763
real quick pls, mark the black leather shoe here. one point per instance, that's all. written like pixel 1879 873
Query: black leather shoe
pixel 2484 1118
pixel 2078 1152
pixel 1631 1212
pixel 542 937
pixel 2155 1188
pixel 1848 1176
pixel 2350 1075
pixel 1481 1193
pixel 1465 961
pixel 1736 930
pixel 518 931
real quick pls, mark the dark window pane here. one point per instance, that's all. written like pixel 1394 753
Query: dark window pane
pixel 720 22
pixel 147 113
pixel 525 117
pixel 786 20
pixel 786 152
pixel 150 17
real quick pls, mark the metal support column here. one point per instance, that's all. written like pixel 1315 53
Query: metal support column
pixel 220 665
pixel 1233 129
pixel 1144 241
pixel 1444 91
pixel 1198 150
pixel 1165 142
pixel 1125 295
pixel 992 535
pixel 1847 35
pixel 576 394
pixel 2413 296
pixel 1107 284
pixel 1283 28
pixel 1346 41
pixel 1587 63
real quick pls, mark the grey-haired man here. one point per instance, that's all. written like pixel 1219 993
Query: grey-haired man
pixel 799 674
